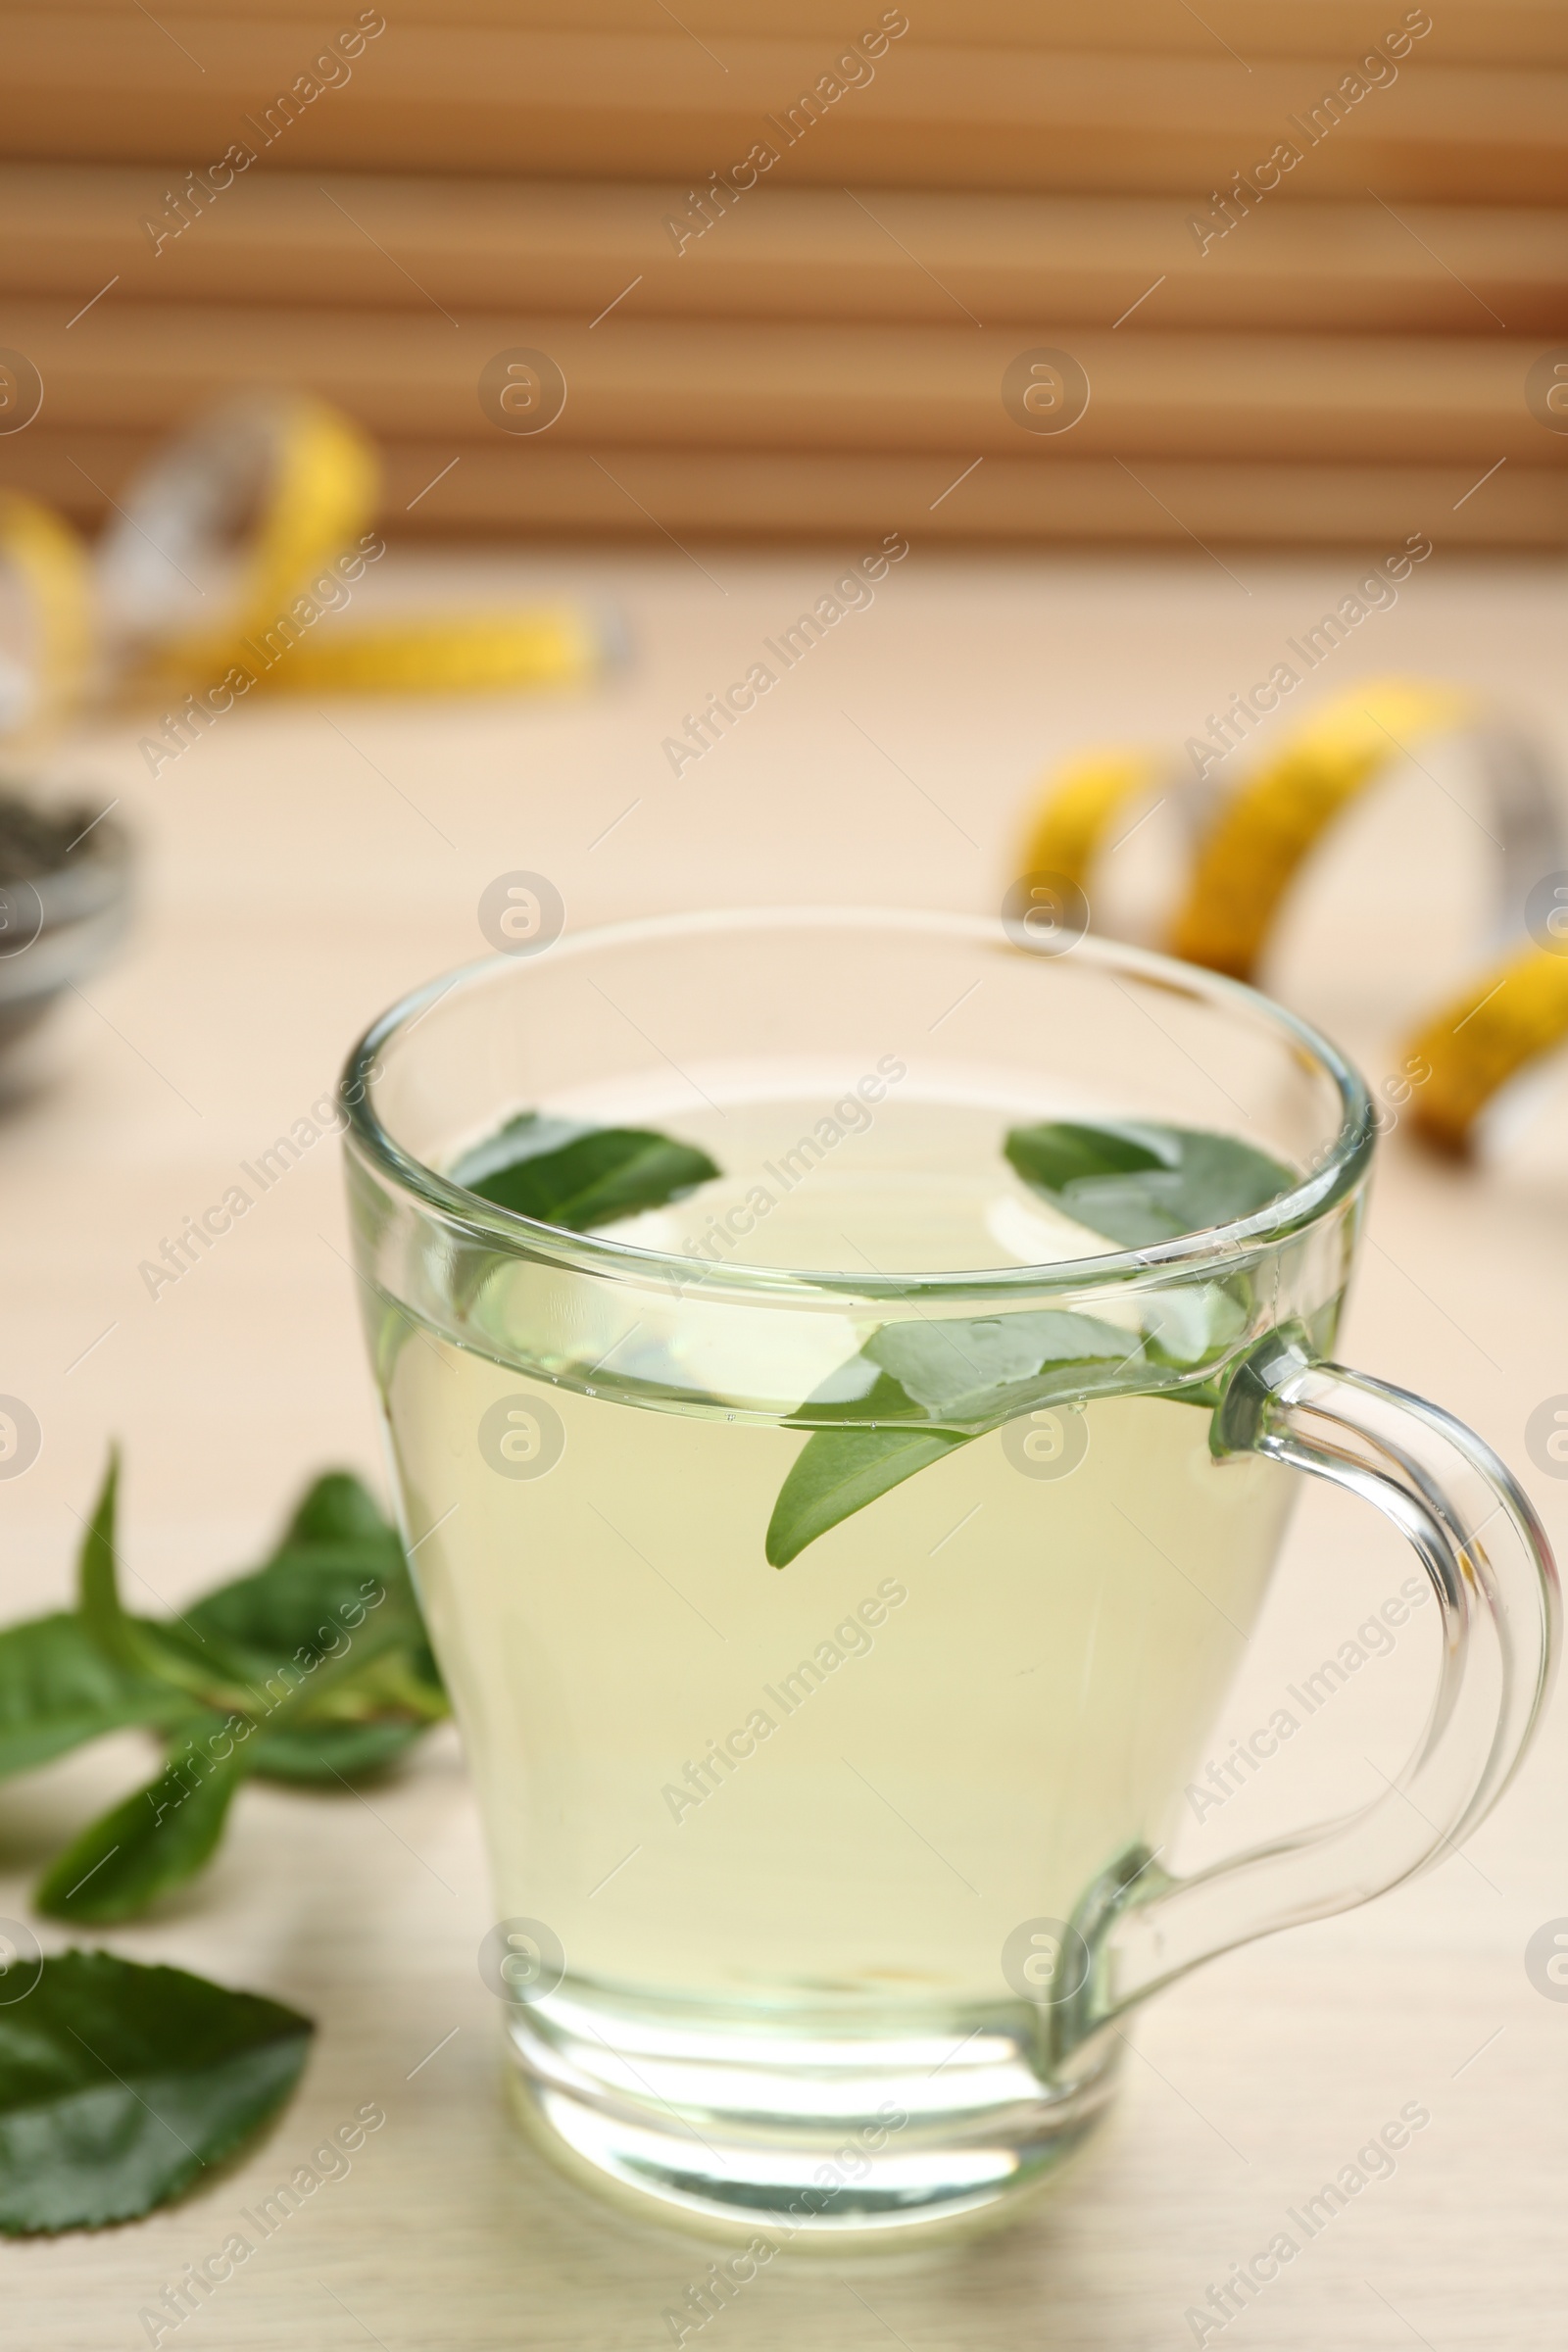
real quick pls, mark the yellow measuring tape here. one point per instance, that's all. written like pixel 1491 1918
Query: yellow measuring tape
pixel 1247 862
pixel 230 549
pixel 51 563
pixel 1506 1019
pixel 1085 799
pixel 1252 846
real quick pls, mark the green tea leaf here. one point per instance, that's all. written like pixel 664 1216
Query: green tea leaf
pixel 331 1626
pixel 97 1583
pixel 988 1369
pixel 838 1472
pixel 1194 1323
pixel 308 1602
pixel 977 1373
pixel 120 2084
pixel 1137 1183
pixel 564 1173
pixel 326 1754
pixel 339 1508
pixel 338 1559
pixel 366 1672
pixel 152 1842
pixel 315 1668
pixel 1134 1183
pixel 58 1691
pixel 173 1653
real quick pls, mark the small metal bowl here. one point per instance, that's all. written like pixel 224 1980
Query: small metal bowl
pixel 64 903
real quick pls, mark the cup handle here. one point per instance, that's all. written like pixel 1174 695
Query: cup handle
pixel 1480 1542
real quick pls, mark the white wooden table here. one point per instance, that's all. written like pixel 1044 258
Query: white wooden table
pixel 302 866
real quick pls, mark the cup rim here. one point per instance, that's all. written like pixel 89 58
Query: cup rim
pixel 1340 1170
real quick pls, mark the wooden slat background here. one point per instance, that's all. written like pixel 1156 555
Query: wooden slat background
pixel 107 85
pixel 1529 32
pixel 789 253
pixel 502 173
pixel 527 488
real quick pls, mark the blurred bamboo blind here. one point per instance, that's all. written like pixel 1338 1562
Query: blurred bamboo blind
pixel 1339 346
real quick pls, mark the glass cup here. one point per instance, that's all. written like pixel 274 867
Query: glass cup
pixel 820 1888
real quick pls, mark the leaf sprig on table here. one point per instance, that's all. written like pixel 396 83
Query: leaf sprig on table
pixel 313 1669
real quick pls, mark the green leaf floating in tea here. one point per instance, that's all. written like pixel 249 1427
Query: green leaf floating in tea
pixel 1135 1183
pixel 911 1376
pixel 120 2084
pixel 561 1172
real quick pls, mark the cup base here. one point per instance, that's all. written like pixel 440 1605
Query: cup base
pixel 812 2144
